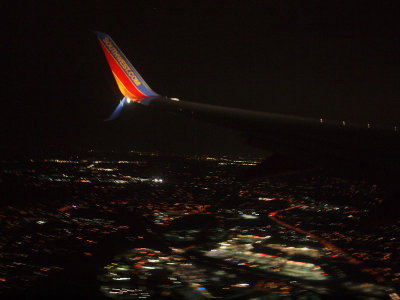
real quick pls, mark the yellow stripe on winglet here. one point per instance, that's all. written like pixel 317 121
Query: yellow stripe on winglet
pixel 123 89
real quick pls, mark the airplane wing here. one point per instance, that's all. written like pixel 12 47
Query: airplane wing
pixel 350 147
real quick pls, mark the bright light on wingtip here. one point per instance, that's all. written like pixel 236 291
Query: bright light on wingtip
pixel 174 99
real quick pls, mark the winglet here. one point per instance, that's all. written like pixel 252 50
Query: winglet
pixel 129 81
pixel 117 111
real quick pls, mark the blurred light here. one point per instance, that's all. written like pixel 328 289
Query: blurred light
pixel 240 285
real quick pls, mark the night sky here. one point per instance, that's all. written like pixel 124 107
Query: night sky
pixel 338 61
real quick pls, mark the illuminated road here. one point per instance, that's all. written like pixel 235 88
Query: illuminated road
pixel 324 242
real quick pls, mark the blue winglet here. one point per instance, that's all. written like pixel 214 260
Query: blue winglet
pixel 117 111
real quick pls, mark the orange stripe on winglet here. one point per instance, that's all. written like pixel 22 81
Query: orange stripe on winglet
pixel 120 75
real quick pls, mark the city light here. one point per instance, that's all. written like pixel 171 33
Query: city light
pixel 297 236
